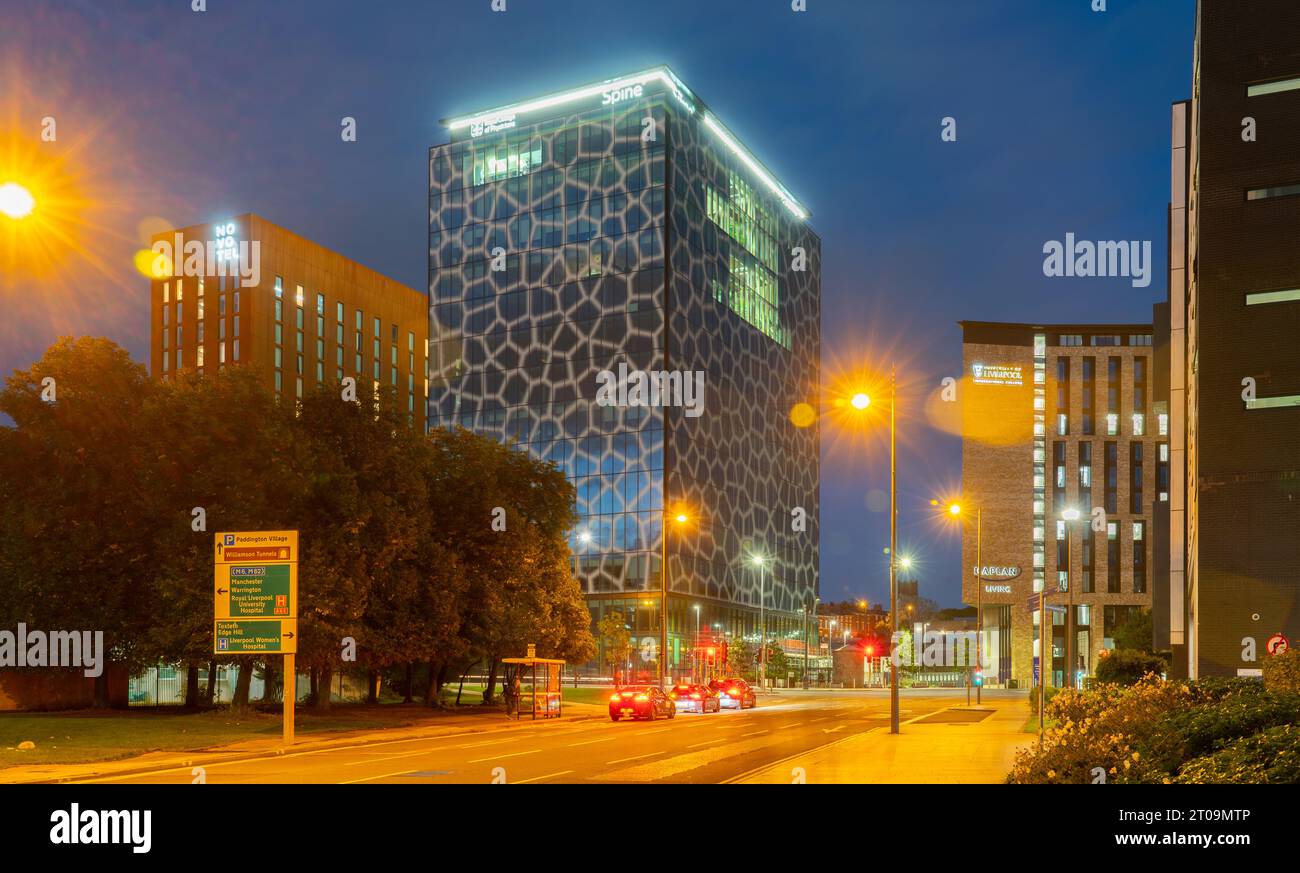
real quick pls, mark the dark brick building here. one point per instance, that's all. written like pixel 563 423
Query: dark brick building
pixel 1235 306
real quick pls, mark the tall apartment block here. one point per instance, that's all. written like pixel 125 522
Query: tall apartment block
pixel 1234 366
pixel 1066 452
pixel 622 228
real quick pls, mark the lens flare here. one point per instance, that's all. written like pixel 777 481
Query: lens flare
pixel 16 201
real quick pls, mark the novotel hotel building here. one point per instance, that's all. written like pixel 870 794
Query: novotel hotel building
pixel 1065 449
pixel 619 229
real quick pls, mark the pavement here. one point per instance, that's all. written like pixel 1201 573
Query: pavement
pixel 958 745
pixel 833 735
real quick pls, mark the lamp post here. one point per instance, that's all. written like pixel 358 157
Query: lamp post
pixel 861 401
pixel 955 510
pixel 1068 516
pixel 761 562
pixel 696 647
pixel 680 518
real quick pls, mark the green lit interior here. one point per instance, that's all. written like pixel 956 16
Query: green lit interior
pixel 752 289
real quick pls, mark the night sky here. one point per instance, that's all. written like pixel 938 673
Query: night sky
pixel 170 117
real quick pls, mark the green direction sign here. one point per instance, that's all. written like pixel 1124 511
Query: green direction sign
pixel 242 636
pixel 256 591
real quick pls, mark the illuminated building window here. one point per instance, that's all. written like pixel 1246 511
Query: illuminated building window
pixel 180 290
pixel 1262 297
pixel 1139 424
pixel 1112 423
pixel 1071 339
pixel 1261 89
pixel 279 287
pixel 1273 192
pixel 235 350
pixel 751 289
pixel 167 289
pixel 298 295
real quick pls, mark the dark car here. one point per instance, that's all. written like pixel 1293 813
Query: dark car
pixel 695 698
pixel 641 701
pixel 734 693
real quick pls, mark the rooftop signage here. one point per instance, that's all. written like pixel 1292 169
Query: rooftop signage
pixel 613 92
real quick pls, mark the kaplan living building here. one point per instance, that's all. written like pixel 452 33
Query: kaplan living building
pixel 1235 364
pixel 1057 420
pixel 622 225
pixel 299 313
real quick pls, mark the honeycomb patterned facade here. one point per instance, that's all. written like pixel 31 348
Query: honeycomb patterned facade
pixel 556 248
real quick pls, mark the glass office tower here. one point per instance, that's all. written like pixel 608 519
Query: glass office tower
pixel 622 224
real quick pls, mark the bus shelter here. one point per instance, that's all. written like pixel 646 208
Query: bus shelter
pixel 541 676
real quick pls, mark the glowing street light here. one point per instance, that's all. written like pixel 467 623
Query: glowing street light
pixel 16 201
pixel 680 518
pixel 759 561
pixel 955 510
pixel 860 401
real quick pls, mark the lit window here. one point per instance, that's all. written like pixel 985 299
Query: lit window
pixel 1139 424
pixel 1261 89
pixel 1273 193
pixel 1164 451
pixel 1163 423
pixel 167 292
pixel 1085 476
pixel 1062 424
pixel 298 295
pixel 1261 297
pixel 279 287
pixel 1112 423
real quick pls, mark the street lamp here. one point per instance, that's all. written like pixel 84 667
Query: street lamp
pixel 955 510
pixel 681 518
pixel 1068 516
pixel 761 563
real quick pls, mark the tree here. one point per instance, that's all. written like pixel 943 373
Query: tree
pixel 77 530
pixel 223 445
pixel 616 639
pixel 742 656
pixel 1135 632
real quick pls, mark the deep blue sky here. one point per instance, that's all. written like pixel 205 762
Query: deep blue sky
pixel 1063 125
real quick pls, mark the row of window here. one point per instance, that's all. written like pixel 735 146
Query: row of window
pixel 201 339
pixel 626 175
pixel 1103 339
pixel 610 216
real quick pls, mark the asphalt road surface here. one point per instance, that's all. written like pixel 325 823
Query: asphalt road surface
pixel 711 748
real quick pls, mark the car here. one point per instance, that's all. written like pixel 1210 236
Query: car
pixel 695 698
pixel 734 693
pixel 641 701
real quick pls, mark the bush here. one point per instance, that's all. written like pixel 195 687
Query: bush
pixel 1208 726
pixel 1106 729
pixel 1272 757
pixel 1282 672
pixel 1127 666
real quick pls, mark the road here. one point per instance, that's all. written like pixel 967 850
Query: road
pixel 690 748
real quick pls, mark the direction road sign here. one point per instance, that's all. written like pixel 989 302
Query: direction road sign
pixel 256 591
pixel 245 636
pixel 256 546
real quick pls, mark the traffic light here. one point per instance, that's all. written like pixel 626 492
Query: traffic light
pixel 979 678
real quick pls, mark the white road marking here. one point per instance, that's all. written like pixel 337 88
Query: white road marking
pixel 540 778
pixel 372 778
pixel 633 758
pixel 589 742
pixel 705 743
pixel 499 757
pixel 755 733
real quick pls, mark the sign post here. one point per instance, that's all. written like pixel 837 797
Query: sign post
pixel 255 601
